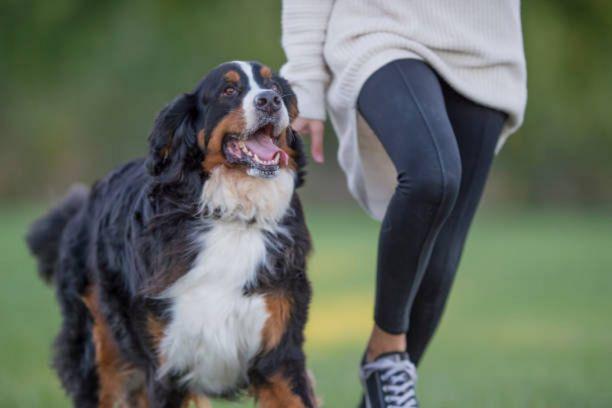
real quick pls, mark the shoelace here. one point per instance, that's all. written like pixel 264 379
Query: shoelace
pixel 398 378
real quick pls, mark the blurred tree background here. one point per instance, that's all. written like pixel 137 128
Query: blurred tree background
pixel 81 81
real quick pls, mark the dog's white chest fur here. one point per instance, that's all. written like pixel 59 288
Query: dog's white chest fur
pixel 215 329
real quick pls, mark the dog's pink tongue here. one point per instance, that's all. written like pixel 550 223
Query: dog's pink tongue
pixel 265 149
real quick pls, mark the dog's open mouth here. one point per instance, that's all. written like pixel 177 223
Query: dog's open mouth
pixel 259 152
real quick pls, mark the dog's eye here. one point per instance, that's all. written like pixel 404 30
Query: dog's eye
pixel 229 91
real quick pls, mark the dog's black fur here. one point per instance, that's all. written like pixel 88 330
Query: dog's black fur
pixel 129 238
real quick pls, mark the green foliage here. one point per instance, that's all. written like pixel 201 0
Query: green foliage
pixel 563 150
pixel 81 82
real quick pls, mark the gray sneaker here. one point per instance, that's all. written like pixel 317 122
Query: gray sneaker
pixel 389 381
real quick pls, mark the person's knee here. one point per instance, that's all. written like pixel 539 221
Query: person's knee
pixel 437 187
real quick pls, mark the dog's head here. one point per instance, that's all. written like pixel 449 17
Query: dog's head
pixel 238 116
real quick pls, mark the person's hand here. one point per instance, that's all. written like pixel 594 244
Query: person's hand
pixel 314 128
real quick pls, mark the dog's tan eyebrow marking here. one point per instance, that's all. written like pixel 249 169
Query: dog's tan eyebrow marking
pixel 265 72
pixel 232 76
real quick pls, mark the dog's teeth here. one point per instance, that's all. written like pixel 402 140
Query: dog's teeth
pixel 245 149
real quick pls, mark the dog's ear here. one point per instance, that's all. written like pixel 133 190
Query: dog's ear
pixel 172 134
pixel 294 141
pixel 289 97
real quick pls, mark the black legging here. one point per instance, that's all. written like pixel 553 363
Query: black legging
pixel 442 146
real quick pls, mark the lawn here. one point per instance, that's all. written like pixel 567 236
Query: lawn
pixel 529 323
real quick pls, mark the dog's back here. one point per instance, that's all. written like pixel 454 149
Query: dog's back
pixel 64 242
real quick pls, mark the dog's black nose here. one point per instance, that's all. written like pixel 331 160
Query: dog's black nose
pixel 268 101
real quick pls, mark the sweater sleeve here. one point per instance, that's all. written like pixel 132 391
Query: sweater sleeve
pixel 304 25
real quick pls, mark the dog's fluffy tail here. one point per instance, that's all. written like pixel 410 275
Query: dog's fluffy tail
pixel 44 235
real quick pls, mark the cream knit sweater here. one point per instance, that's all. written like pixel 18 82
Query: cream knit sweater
pixel 333 46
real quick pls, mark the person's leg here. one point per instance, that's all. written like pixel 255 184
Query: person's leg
pixel 477 130
pixel 404 105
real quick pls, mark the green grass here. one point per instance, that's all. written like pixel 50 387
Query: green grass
pixel 529 323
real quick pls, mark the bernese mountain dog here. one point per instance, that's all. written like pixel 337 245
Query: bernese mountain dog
pixel 182 275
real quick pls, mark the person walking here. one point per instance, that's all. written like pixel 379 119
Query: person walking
pixel 421 95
